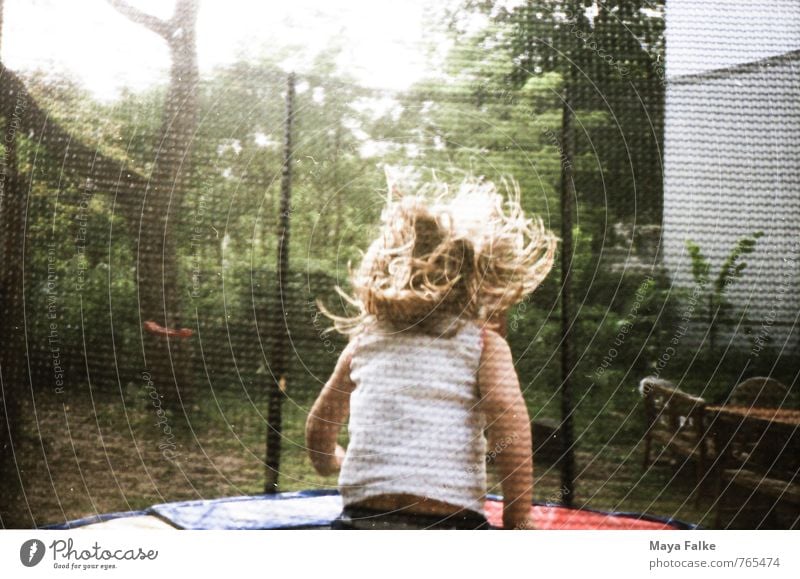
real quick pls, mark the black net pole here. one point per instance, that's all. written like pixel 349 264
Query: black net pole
pixel 14 377
pixel 280 361
pixel 567 208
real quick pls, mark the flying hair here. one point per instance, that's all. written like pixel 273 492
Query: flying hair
pixel 470 253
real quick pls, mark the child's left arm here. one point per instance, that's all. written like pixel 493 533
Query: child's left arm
pixel 327 416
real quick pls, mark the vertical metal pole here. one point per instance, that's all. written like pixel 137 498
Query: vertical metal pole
pixel 280 361
pixel 567 318
pixel 14 377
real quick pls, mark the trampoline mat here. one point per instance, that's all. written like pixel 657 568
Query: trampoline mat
pixel 316 509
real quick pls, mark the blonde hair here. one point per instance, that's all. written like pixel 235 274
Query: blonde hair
pixel 439 255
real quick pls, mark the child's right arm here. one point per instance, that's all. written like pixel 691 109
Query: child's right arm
pixel 328 415
pixel 509 429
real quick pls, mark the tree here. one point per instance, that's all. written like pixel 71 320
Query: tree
pixel 614 50
pixel 13 375
pixel 157 273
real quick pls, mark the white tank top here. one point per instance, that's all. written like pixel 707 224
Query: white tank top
pixel 415 427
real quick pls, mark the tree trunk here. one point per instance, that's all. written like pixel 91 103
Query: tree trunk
pixel 13 368
pixel 167 359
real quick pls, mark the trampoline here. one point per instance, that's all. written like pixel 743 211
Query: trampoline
pixel 316 509
pixel 149 299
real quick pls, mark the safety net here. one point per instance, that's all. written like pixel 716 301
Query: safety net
pixel 185 184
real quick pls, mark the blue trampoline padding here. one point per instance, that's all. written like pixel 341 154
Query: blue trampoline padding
pixel 294 510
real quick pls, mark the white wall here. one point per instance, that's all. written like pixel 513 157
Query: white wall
pixel 732 148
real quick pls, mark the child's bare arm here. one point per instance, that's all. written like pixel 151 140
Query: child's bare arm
pixel 327 416
pixel 509 429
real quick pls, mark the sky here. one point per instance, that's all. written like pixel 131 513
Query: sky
pixel 383 40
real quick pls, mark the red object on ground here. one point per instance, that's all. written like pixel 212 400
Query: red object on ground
pixel 553 517
pixel 157 330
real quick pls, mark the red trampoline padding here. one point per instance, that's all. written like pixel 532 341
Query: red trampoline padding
pixel 553 517
pixel 316 509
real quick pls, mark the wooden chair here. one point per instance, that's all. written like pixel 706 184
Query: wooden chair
pixel 675 421
pixel 757 454
pixel 759 392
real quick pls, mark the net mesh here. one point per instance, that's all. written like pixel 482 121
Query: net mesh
pixel 150 323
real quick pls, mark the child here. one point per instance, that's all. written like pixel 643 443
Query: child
pixel 427 369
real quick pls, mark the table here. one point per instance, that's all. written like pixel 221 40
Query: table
pixel 757 449
pixel 787 416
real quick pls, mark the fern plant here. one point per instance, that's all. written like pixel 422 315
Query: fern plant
pixel 718 307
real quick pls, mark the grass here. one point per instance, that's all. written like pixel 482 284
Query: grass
pixel 99 452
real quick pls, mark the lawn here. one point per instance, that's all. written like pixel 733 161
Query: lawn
pixel 99 452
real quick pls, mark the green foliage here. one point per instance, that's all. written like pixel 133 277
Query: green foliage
pixel 611 62
pixel 700 265
pixel 714 294
pixel 732 267
pixel 225 234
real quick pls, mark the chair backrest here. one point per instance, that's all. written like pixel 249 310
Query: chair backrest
pixel 662 394
pixel 759 392
pixel 669 409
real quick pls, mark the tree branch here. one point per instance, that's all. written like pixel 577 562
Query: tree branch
pixel 85 160
pixel 160 27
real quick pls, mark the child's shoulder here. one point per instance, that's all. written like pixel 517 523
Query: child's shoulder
pixel 493 341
